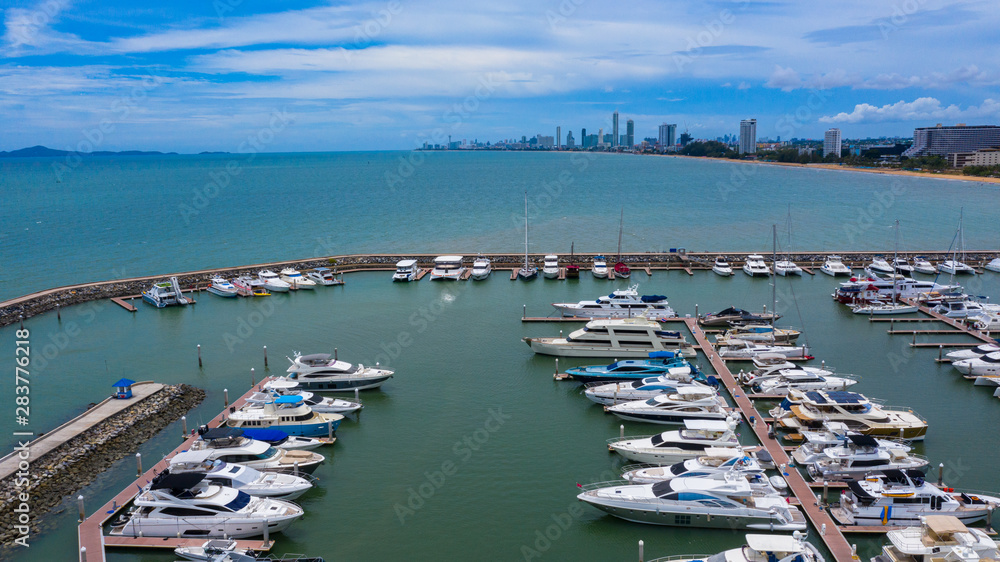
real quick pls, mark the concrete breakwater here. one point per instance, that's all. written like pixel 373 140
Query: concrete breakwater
pixel 11 311
pixel 56 475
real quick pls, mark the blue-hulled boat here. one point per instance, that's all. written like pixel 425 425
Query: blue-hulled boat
pixel 287 413
pixel 659 363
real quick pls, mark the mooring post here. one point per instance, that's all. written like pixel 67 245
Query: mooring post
pixel 267 532
pixel 265 356
pixel 940 474
pixel 696 310
pixel 826 486
pixel 940 353
pixel 184 427
pixel 253 379
pixel 329 429
pixel 199 355
pixel 138 464
pixel 335 354
pixel 524 311
pixel 59 318
pixel 557 366
pixel 21 317
pixel 83 554
pixel 79 506
pixel 640 551
pixel 621 431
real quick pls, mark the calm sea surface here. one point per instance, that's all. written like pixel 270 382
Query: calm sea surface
pixel 461 362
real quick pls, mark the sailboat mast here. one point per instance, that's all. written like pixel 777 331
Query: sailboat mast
pixel 621 224
pixel 895 251
pixel 774 274
pixel 525 231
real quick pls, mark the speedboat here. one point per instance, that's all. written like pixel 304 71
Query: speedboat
pixel 322 373
pixel 939 537
pixel 803 409
pixel 481 268
pixel 974 352
pixel 671 447
pixel 859 456
pixel 733 315
pixel 759 333
pixel 228 550
pixel 984 365
pixel 902 498
pixel 621 303
pixel 550 267
pixel 715 463
pixel 614 337
pixel 736 350
pixel 230 445
pixel 722 267
pixel 834 266
pixel 406 270
pixel 684 403
pixel 754 266
pixel 760 548
pixel 164 294
pixel 283 386
pixel 324 276
pixel 921 265
pixel 955 267
pixel 448 268
pixel 295 279
pixel 610 393
pixel 222 288
pixel 786 267
pixel 665 363
pixel 988 320
pixel 177 506
pixel 288 413
pixel 993 265
pixel 880 265
pixel 240 477
pixel 270 281
pixel 696 502
pixel 902 266
pixel 600 267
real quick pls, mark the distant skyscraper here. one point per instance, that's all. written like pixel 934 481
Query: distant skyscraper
pixel 668 135
pixel 558 137
pixel 614 128
pixel 600 134
pixel 832 142
pixel 748 136
pixel 569 140
pixel 629 133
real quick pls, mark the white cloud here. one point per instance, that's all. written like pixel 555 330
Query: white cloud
pixel 743 86
pixel 30 29
pixel 784 78
pixel 920 109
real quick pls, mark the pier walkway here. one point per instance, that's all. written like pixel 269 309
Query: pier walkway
pixel 832 538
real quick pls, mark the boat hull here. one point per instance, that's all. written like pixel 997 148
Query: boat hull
pixel 222 292
pixel 667 418
pixel 346 384
pixel 656 514
pixel 545 346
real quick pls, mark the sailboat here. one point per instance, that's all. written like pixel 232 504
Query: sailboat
pixel 786 266
pixel 528 271
pixel 892 307
pixel 954 265
pixel 621 270
pixel 572 270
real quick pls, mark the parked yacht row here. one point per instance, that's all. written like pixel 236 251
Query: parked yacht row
pixel 168 293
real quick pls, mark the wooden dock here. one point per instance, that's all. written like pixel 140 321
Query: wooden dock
pixel 807 269
pixel 126 305
pixel 611 275
pixel 833 538
pixel 649 273
pixel 983 338
pixel 562 274
pixel 421 273
pixel 90 533
pixel 466 274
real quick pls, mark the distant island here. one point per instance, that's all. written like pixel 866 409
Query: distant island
pixel 46 152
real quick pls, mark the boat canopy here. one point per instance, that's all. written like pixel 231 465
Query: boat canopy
pixel 707 425
pixel 288 399
pixel 183 481
pixel 653 298
pixel 195 457
pixel 406 263
pixel 662 355
pixel 268 435
pixel 222 433
pixel 774 543
pixel 863 440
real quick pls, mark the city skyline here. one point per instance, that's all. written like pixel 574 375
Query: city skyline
pixel 205 76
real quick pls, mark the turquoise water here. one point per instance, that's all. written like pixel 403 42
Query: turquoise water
pixel 114 217
pixel 460 363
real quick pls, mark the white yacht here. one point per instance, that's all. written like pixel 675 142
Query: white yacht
pixel 671 447
pixel 880 265
pixel 921 265
pixel 939 538
pixel 834 434
pixel 785 268
pixel 737 350
pixel 722 267
pixel 882 308
pixel 614 337
pixel 481 268
pixel 984 365
pixel 960 306
pixel 229 445
pixel 283 386
pixel 176 506
pixel 781 381
pixel 901 265
pixel 754 266
pixel 600 267
pixel 243 478
pixel 621 303
pixel 993 265
pixel 759 333
pixel 295 279
pixel 322 372
pixel 324 276
pixel 901 498
pixel 167 293
pixel 988 320
pixel 834 266
pixel 811 408
pixel 859 456
pixel 270 281
pixel 406 270
pixel 761 548
pixel 288 413
pixel 222 288
pixel 550 267
pixel 610 393
pixel 715 463
pixel 447 268
pixel 972 353
pixel 696 502
pixel 955 267
pixel 685 403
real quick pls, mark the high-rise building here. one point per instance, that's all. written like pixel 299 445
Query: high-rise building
pixel 668 135
pixel 832 142
pixel 583 137
pixel 558 137
pixel 600 136
pixel 629 133
pixel 614 128
pixel 941 140
pixel 545 141
pixel 570 143
pixel 748 136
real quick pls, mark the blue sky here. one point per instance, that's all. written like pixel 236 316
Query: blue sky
pixel 202 75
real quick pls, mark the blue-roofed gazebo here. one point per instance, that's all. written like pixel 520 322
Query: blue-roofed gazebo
pixel 123 389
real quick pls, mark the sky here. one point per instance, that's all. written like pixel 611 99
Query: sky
pixel 212 75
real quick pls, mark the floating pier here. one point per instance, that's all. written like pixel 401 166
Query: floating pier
pixel 126 305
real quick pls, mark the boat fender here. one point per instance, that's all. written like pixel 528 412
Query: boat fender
pixel 949 490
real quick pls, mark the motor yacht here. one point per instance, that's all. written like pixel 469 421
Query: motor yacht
pixel 782 381
pixel 834 434
pixel 901 498
pixel 176 506
pixel 222 288
pixel 288 413
pixel 955 267
pixel 960 306
pixel 786 268
pixel 621 303
pixel 734 315
pixel 888 289
pixel 665 363
pixel 610 393
pixel 813 407
pixel 722 267
pixel 881 265
pixel 282 440
pixel 939 537
pixel 993 265
pixel 754 266
pixel 859 456
pixel 759 333
pixel 671 447
pixel 283 386
pixel 550 267
pixel 736 350
pixel 834 266
pixel 324 276
pixel 972 353
pixel 715 463
pixel 695 502
pixel 481 268
pixel 270 281
pixel 684 403
pixel 600 267
pixel 987 320
pixel 902 266
pixel 447 268
pixel 322 372
pixel 761 548
pixel 406 270
pixel 295 279
pixel 921 265
pixel 614 337
pixel 237 476
pixel 984 365
pixel 230 445
pixel 164 294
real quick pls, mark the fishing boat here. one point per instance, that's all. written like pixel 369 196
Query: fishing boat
pixel 804 409
pixel 322 372
pixel 527 271
pixel 243 478
pixel 732 315
pixel 324 276
pixel 550 266
pixel 222 288
pixel 761 548
pixel 164 294
pixel 288 413
pixel 621 303
pixel 921 265
pixel 722 267
pixel 406 270
pixel 600 267
pixel 754 266
pixel 232 446
pixel 481 268
pixel 834 266
pixel 939 538
pixel 684 403
pixel 447 268
pixel 614 337
pixel 663 363
pixel 671 447
pixel 859 456
pixel 269 280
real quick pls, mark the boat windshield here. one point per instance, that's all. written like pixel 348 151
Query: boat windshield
pixel 241 500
